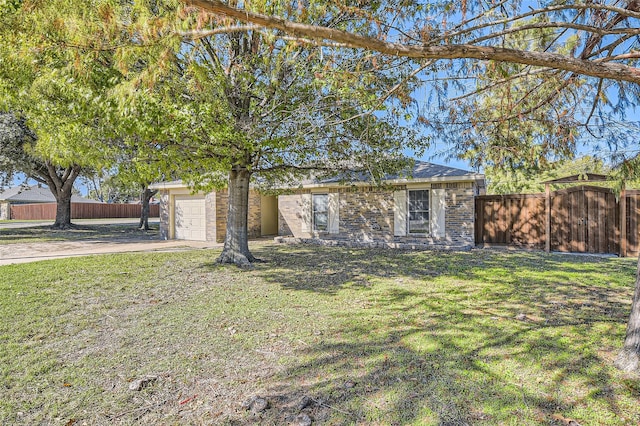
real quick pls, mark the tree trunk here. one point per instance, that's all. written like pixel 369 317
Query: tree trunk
pixel 60 182
pixel 63 208
pixel 236 242
pixel 144 214
pixel 629 357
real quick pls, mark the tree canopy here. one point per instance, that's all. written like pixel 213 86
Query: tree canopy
pixel 51 92
pixel 519 82
pixel 511 181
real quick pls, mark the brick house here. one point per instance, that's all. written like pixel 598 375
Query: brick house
pixel 434 208
pixel 203 216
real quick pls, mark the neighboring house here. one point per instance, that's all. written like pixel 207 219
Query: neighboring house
pixel 35 194
pixel 434 207
pixel 203 216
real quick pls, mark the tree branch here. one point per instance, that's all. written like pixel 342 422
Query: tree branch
pixel 607 70
pixel 629 13
pixel 630 55
pixel 197 34
pixel 567 25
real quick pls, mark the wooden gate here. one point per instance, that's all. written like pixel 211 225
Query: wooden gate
pixel 583 219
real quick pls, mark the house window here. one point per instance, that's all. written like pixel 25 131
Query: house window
pixel 320 212
pixel 419 211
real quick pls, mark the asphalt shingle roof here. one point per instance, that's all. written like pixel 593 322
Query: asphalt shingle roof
pixel 421 170
pixel 35 194
pixel 425 170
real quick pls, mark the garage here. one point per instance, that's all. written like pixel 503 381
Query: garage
pixel 189 218
pixel 185 215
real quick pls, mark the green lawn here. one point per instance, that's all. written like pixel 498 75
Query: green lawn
pixel 345 336
pixel 39 234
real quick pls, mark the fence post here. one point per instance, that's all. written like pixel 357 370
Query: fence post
pixel 623 222
pixel 547 215
pixel 476 221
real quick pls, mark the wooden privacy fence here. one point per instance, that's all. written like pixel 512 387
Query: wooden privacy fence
pixel 47 211
pixel 583 219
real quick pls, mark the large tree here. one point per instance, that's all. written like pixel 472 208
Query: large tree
pixel 283 120
pixel 214 108
pixel 17 143
pixel 231 109
pixel 519 83
pixel 48 100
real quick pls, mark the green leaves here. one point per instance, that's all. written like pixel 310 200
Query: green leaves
pixel 112 84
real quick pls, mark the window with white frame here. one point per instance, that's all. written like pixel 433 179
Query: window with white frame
pixel 419 211
pixel 320 212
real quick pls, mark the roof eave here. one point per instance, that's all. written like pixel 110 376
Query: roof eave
pixel 168 185
pixel 437 179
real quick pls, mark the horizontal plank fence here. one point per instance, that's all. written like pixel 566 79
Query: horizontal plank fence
pixel 47 211
pixel 583 219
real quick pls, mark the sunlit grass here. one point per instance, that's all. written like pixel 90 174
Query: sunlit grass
pixel 370 336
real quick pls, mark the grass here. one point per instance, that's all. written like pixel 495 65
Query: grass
pixel 39 234
pixel 363 336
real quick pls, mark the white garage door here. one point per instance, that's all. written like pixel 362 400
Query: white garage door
pixel 189 219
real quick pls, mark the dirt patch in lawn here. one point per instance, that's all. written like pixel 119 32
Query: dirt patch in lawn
pixel 326 335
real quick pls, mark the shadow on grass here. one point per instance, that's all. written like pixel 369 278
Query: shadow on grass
pixel 77 233
pixel 457 338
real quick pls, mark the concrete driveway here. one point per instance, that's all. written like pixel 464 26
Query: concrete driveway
pixel 25 252
pixel 35 223
pixel 33 252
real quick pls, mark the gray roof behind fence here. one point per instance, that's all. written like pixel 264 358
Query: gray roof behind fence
pixel 35 194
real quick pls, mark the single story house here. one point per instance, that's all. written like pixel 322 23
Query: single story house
pixel 203 216
pixel 434 207
pixel 35 194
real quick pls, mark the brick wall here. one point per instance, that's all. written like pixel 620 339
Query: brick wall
pixel 210 204
pixel 367 216
pixel 290 215
pixel 460 214
pixel 254 220
pixel 254 223
pixel 164 215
